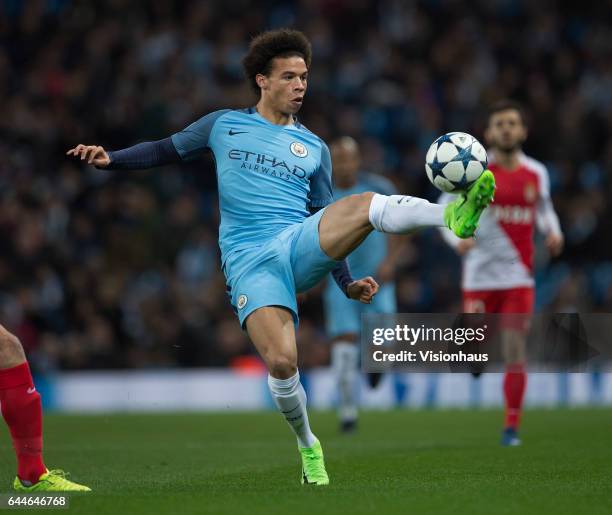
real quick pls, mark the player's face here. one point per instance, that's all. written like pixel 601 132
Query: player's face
pixel 506 130
pixel 345 163
pixel 285 86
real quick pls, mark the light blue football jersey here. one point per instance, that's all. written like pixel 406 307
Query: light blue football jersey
pixel 366 258
pixel 268 175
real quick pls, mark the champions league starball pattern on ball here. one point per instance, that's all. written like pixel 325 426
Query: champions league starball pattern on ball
pixel 455 161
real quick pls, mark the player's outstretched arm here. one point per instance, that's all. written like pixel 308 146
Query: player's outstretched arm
pixel 137 157
pixel 93 154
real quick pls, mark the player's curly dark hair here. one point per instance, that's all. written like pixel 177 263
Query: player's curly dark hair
pixel 274 43
pixel 506 104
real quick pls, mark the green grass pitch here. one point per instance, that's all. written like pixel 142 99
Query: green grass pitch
pixel 399 462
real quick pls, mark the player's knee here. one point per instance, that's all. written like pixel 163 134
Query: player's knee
pixel 515 355
pixel 282 366
pixel 514 345
pixel 10 346
pixel 8 340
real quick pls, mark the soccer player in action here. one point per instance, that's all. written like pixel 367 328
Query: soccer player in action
pixel 498 264
pixel 280 231
pixel 22 412
pixel 376 256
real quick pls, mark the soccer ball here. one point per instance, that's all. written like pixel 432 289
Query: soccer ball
pixel 455 161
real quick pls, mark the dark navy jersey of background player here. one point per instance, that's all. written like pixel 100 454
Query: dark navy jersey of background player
pixel 268 175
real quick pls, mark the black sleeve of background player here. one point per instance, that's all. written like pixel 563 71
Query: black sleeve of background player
pixel 144 155
pixel 341 272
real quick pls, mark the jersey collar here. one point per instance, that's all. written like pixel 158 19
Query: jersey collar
pixel 296 123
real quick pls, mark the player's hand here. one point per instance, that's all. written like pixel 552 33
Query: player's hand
pixel 93 154
pixel 363 290
pixel 465 246
pixel 555 243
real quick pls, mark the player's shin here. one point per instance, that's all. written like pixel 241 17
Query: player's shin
pixel 290 398
pixel 345 363
pixel 515 381
pixel 22 412
pixel 400 214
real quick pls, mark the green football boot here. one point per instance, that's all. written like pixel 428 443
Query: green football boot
pixel 462 215
pixel 313 465
pixel 51 481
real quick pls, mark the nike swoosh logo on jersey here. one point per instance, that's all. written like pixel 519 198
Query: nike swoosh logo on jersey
pixel 31 390
pixel 232 132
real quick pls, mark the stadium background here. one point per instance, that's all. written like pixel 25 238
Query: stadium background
pixel 120 270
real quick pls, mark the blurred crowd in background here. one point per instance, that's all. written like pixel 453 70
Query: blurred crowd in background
pixel 121 269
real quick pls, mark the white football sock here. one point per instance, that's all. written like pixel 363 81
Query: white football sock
pixel 290 398
pixel 400 214
pixel 345 363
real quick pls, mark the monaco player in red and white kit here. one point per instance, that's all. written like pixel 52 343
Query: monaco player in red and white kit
pixel 498 262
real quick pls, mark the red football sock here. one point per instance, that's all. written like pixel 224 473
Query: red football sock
pixel 515 381
pixel 22 412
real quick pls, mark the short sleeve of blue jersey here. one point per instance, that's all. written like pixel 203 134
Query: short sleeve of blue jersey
pixel 193 141
pixel 320 183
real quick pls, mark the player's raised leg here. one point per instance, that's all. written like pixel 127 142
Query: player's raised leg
pixel 348 221
pixel 272 331
pixel 22 412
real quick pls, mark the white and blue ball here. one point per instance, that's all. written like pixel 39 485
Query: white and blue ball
pixel 455 161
